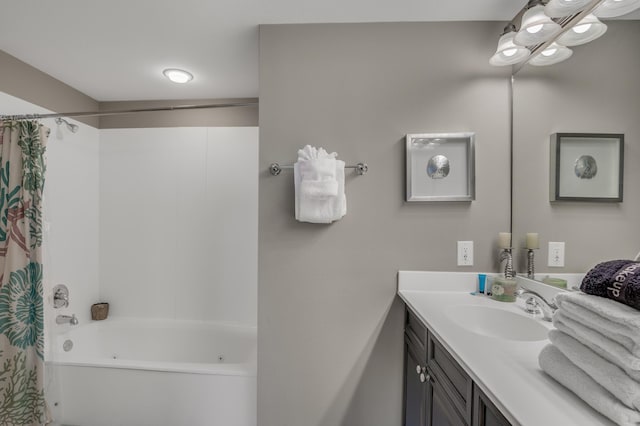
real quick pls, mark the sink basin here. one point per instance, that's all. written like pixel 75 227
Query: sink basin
pixel 499 323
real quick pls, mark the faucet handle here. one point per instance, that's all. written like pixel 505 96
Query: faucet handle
pixel 60 296
pixel 532 306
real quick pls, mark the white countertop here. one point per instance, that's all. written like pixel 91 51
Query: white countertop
pixel 506 370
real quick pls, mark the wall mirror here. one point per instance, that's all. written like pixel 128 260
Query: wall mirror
pixel 595 91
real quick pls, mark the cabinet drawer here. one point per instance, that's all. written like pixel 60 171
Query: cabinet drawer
pixel 455 382
pixel 415 330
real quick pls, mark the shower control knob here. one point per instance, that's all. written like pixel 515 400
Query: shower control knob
pixel 60 296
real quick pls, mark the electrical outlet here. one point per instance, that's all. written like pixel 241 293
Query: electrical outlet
pixel 465 253
pixel 556 254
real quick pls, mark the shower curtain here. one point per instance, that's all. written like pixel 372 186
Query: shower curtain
pixel 22 168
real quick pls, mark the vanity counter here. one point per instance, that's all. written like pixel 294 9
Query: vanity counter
pixel 505 370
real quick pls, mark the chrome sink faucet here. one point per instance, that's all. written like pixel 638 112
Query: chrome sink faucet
pixel 535 303
pixel 67 319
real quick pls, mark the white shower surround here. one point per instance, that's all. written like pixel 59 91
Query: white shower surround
pixel 100 186
pixel 179 223
pixel 155 372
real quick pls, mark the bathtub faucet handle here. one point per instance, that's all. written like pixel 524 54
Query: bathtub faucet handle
pixel 66 319
pixel 60 296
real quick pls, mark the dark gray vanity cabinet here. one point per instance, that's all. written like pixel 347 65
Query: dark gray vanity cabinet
pixel 437 391
pixel 416 377
pixel 485 413
pixel 415 387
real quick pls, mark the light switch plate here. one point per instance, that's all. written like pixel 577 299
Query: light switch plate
pixel 465 253
pixel 556 254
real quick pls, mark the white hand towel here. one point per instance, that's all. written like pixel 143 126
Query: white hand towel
pixel 319 186
pixel 600 344
pixel 608 316
pixel 318 178
pixel 558 366
pixel 609 376
pixel 319 189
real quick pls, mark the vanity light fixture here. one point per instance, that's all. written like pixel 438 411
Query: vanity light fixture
pixel 508 53
pixel 178 75
pixel 553 54
pixel 588 29
pixel 561 8
pixel 536 26
pixel 547 27
pixel 615 8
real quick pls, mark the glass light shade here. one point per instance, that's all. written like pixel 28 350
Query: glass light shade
pixel 177 75
pixel 614 8
pixel 553 54
pixel 508 53
pixel 536 27
pixel 562 8
pixel 588 29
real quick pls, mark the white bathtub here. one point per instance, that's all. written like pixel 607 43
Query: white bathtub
pixel 135 372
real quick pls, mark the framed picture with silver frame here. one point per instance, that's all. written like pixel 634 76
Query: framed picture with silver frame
pixel 586 167
pixel 440 167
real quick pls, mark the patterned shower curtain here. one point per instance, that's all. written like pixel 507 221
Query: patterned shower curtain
pixel 22 168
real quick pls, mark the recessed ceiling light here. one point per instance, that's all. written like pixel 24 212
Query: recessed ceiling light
pixel 178 76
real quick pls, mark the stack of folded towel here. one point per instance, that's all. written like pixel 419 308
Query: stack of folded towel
pixel 595 352
pixel 319 186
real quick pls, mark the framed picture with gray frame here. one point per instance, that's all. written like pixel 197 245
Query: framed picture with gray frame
pixel 440 167
pixel 586 167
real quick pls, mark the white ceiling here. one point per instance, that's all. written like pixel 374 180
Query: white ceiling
pixel 116 49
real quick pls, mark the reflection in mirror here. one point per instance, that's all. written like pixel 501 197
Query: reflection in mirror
pixel 595 91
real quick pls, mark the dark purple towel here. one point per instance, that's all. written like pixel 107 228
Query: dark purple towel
pixel 618 280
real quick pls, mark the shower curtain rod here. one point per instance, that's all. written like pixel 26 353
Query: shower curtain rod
pixel 123 111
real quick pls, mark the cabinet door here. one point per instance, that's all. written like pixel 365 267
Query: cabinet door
pixel 441 411
pixel 485 413
pixel 453 379
pixel 415 385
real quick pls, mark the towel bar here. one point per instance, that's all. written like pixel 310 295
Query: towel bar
pixel 275 168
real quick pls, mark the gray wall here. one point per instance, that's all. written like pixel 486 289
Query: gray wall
pixel 215 117
pixel 595 91
pixel 21 80
pixel 330 340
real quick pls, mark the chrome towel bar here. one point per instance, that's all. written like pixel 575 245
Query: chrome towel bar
pixel 275 168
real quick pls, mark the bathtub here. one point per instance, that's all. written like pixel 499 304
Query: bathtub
pixel 138 372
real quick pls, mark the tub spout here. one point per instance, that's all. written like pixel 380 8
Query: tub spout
pixel 66 319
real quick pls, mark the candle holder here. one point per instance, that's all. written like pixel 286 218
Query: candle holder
pixel 506 254
pixel 531 269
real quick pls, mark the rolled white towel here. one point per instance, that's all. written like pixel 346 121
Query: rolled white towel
pixel 609 376
pixel 309 152
pixel 600 344
pixel 599 312
pixel 558 366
